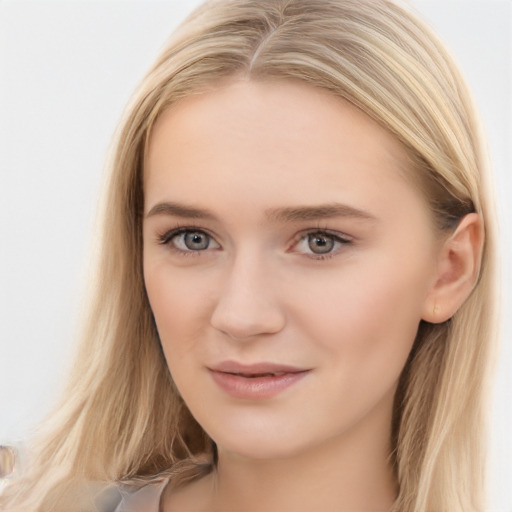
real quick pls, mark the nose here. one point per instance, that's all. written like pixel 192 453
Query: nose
pixel 247 304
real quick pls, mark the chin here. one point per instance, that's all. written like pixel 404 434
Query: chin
pixel 259 449
pixel 265 443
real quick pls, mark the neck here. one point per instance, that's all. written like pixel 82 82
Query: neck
pixel 347 473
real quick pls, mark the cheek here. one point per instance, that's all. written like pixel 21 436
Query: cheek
pixel 365 317
pixel 177 304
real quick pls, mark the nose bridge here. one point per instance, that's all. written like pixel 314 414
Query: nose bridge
pixel 247 302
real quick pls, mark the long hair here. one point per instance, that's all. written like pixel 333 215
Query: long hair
pixel 120 417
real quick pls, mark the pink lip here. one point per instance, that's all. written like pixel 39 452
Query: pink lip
pixel 255 381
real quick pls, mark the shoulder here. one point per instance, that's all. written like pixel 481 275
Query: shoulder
pixel 143 499
pixel 193 496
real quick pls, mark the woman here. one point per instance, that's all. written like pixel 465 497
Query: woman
pixel 294 300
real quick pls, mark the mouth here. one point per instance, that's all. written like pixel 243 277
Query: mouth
pixel 254 369
pixel 255 381
pixel 256 375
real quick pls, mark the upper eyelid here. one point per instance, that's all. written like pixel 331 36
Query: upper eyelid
pixel 178 230
pixel 329 232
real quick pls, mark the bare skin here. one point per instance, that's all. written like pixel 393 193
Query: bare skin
pixel 335 293
pixel 303 484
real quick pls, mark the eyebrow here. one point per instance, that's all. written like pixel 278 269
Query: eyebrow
pixel 287 214
pixel 180 210
pixel 322 211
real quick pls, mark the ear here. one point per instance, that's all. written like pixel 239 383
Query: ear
pixel 457 270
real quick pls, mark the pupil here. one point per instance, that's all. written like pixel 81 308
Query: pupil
pixel 196 241
pixel 323 243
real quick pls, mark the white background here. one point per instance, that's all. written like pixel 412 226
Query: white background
pixel 66 71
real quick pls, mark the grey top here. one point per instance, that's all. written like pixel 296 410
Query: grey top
pixel 145 499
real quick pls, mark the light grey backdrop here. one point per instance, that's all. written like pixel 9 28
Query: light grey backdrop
pixel 66 70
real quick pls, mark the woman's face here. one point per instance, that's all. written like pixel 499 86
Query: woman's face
pixel 287 262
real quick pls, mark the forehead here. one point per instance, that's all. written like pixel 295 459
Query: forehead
pixel 273 140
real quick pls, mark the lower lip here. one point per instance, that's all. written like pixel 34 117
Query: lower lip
pixel 255 387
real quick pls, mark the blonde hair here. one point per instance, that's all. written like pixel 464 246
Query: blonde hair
pixel 120 418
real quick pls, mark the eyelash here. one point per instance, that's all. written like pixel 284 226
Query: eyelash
pixel 336 238
pixel 167 237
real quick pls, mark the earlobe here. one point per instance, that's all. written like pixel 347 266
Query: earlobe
pixel 457 270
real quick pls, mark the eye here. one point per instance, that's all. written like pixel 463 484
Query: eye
pixel 321 244
pixel 188 240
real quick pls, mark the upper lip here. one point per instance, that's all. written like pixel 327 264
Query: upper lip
pixel 237 368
